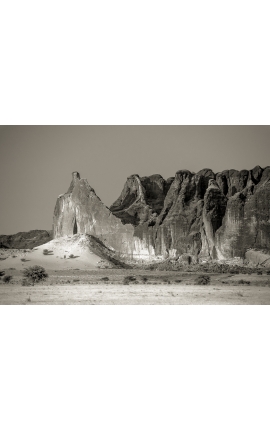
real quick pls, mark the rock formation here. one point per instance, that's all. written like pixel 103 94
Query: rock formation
pixel 25 240
pixel 204 215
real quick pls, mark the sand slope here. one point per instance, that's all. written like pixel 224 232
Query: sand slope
pixel 58 259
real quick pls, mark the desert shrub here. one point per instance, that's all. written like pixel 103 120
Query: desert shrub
pixel 243 282
pixel 76 280
pixel 26 282
pixel 14 256
pixel 128 279
pixel 177 281
pixel 7 279
pixel 268 272
pixel 71 256
pixel 23 259
pixel 35 273
pixel 105 279
pixel 202 280
pixel 259 272
pixel 47 252
pixel 2 272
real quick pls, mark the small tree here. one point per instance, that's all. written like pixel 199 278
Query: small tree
pixel 35 273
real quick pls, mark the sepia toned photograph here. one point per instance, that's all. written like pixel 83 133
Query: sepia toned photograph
pixel 135 215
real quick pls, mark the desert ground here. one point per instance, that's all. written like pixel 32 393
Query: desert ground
pixel 135 287
pixel 76 279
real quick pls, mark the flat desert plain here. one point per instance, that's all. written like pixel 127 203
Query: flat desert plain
pixel 135 287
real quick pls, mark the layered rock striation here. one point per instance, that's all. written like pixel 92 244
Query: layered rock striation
pixel 205 215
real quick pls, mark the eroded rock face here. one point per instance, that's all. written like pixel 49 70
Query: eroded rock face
pixel 204 215
pixel 141 200
pixel 81 211
pixel 246 223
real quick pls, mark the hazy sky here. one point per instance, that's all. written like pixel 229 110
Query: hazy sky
pixel 36 162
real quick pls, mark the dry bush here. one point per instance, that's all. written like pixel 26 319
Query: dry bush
pixel 243 282
pixel 202 280
pixel 26 282
pixel 47 252
pixel 35 273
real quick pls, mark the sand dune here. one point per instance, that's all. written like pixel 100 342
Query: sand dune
pixel 58 258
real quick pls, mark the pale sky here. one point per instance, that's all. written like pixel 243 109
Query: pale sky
pixel 36 162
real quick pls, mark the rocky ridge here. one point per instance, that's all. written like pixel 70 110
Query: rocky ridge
pixel 25 240
pixel 204 215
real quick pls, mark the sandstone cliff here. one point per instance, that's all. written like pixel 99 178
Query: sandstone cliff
pixel 204 215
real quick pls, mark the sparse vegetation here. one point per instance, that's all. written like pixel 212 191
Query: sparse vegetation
pixel 35 273
pixel 7 279
pixel 209 267
pixel 47 252
pixel 202 280
pixel 243 282
pixel 128 279
pixel 26 282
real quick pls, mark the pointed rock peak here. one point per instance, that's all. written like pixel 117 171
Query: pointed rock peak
pixel 76 176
